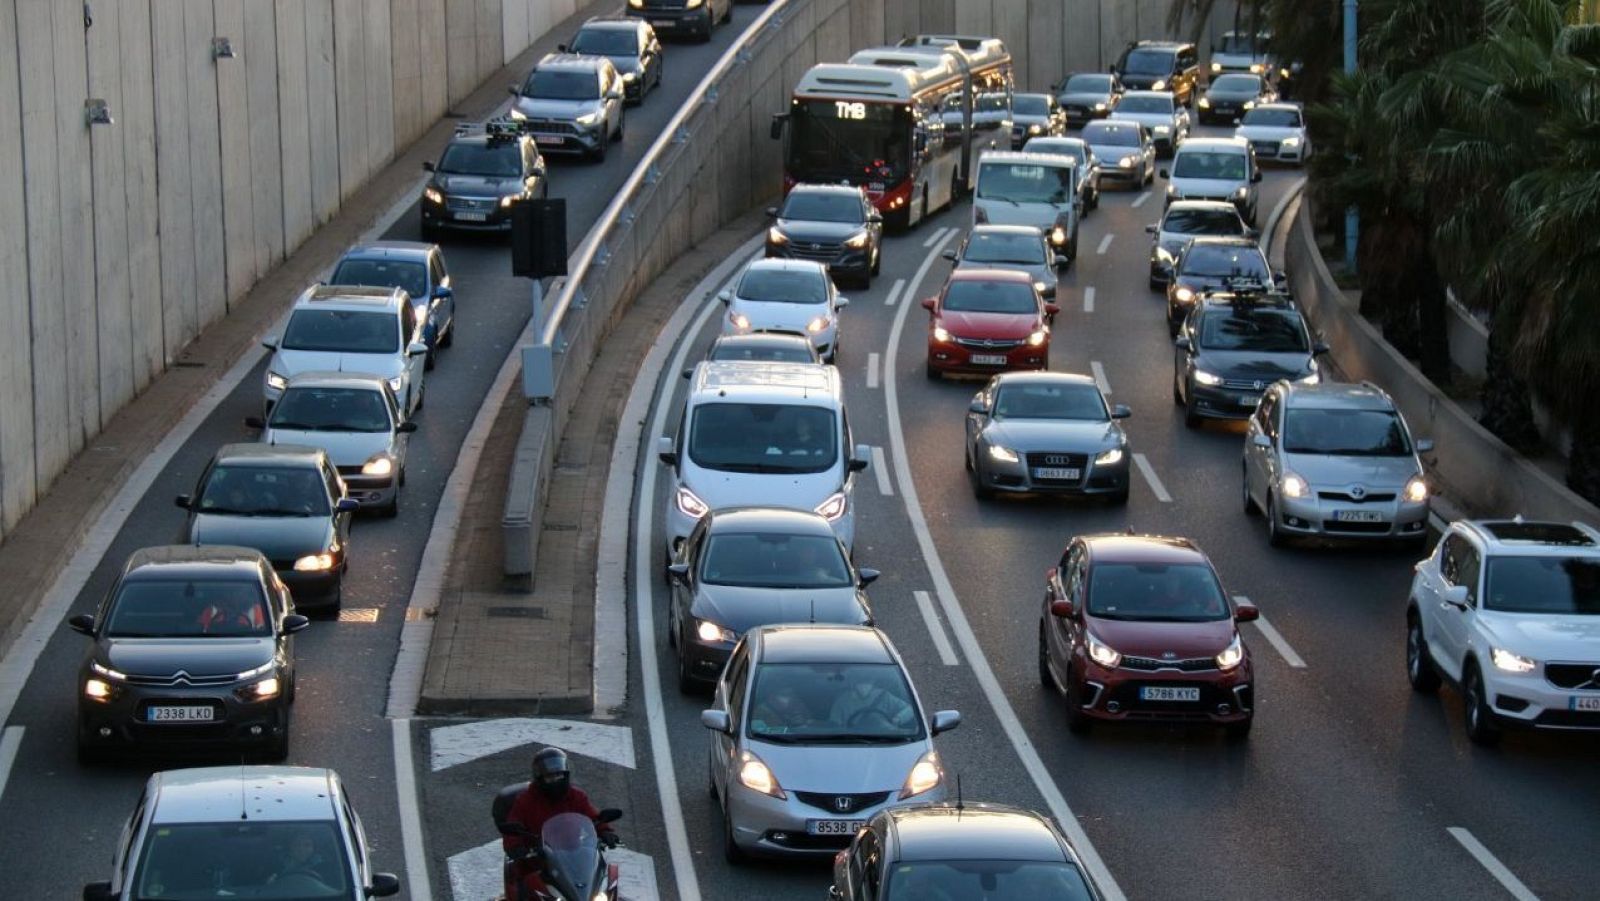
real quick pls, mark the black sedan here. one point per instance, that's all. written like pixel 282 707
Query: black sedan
pixel 1088 95
pixel 1230 96
pixel 1233 347
pixel 835 225
pixel 193 646
pixel 1212 264
pixel 632 47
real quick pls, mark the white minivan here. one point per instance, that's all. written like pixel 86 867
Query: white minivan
pixel 773 434
pixel 1037 189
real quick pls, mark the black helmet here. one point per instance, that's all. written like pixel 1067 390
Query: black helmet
pixel 551 775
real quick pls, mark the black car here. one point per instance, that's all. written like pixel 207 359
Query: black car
pixel 484 171
pixel 285 500
pixel 1230 96
pixel 1208 264
pixel 683 17
pixel 773 347
pixel 1232 347
pixel 193 646
pixel 835 225
pixel 1160 66
pixel 632 47
pixel 1088 95
pixel 961 850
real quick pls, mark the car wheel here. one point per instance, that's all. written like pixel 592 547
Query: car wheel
pixel 277 750
pixel 293 689
pixel 1191 415
pixel 1275 536
pixel 1250 508
pixel 1177 390
pixel 1157 285
pixel 1118 498
pixel 1172 324
pixel 1481 727
pixel 1078 722
pixel 931 372
pixel 598 154
pixel 89 753
pixel 429 233
pixel 1419 668
pixel 979 490
pixel 391 509
pixel 621 124
pixel 428 362
pixel 672 623
pixel 1238 731
pixel 966 459
pixel 1045 677
pixel 686 682
pixel 449 336
pixel 731 852
pixel 877 259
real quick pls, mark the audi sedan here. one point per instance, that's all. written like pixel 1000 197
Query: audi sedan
pixel 1046 432
pixel 987 320
pixel 1138 627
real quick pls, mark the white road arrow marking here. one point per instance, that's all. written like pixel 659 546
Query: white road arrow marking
pixel 452 745
pixel 475 874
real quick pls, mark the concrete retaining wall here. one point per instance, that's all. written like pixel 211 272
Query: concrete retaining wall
pixel 1473 468
pixel 121 242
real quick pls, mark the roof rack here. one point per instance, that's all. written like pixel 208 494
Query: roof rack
pixel 502 128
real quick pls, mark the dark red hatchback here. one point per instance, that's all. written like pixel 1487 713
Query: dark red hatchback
pixel 988 321
pixel 1138 627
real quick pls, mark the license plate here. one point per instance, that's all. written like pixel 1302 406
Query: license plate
pixel 663 23
pixel 549 139
pixel 196 713
pixel 1165 693
pixel 1584 704
pixel 833 827
pixel 1358 516
pixel 473 217
pixel 1047 472
pixel 989 359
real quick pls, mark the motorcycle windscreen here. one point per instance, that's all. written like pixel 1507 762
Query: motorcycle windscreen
pixel 571 854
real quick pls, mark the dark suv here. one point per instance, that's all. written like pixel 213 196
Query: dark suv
pixel 193 646
pixel 484 171
pixel 1160 66
pixel 1232 347
pixel 835 225
pixel 685 17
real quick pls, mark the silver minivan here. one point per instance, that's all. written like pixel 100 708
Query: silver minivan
pixel 1037 189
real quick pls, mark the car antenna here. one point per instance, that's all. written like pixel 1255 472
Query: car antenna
pixel 813 611
pixel 244 811
pixel 959 806
pixel 1130 529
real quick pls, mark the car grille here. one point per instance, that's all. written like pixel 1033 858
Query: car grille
pixel 1376 497
pixel 1355 528
pixel 820 252
pixel 1248 384
pixel 988 343
pixel 828 802
pixel 469 204
pixel 1151 664
pixel 673 5
pixel 182 679
pixel 1573 675
pixel 1077 112
pixel 1265 148
pixel 1058 460
pixel 348 471
pixel 552 127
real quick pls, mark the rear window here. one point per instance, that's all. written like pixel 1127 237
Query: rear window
pixel 343 331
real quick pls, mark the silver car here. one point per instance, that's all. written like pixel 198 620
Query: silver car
pixel 794 297
pixel 1184 221
pixel 1021 248
pixel 571 103
pixel 1047 433
pixel 816 729
pixel 1088 167
pixel 1334 460
pixel 1216 169
pixel 1161 113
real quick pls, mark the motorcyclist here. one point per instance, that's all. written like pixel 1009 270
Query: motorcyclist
pixel 550 792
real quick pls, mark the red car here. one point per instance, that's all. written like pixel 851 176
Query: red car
pixel 987 321
pixel 1138 627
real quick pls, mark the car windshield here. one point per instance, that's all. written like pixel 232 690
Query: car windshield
pixel 763 438
pixel 1031 104
pixel 990 297
pixel 185 608
pixel 784 285
pixel 409 276
pixel 606 42
pixel 1024 183
pixel 1223 223
pixel 498 160
pixel 775 560
pixel 243 858
pixel 1559 585
pixel 1005 247
pixel 1148 62
pixel 762 351
pixel 1049 401
pixel 1225 261
pixel 1264 331
pixel 1074 148
pixel 816 206
pixel 1157 592
pixel 833 703
pixel 1236 84
pixel 925 879
pixel 342 331
pixel 1345 433
pixel 331 410
pixel 1276 118
pixel 1087 84
pixel 1235 42
pixel 1145 105
pixel 562 84
pixel 1111 134
pixel 239 490
pixel 1224 165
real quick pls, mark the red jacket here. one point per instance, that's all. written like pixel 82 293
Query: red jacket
pixel 532 809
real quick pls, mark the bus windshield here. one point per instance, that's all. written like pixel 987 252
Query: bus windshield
pixel 836 139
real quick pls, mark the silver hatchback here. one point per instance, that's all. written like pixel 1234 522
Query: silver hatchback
pixel 816 729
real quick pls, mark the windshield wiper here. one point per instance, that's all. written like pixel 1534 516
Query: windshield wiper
pixel 753 467
pixel 846 739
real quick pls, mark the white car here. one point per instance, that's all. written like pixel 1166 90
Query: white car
pixel 793 297
pixel 335 328
pixel 1277 131
pixel 1509 611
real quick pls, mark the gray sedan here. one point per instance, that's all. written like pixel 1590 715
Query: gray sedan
pixel 1046 432
pixel 1020 248
pixel 1161 113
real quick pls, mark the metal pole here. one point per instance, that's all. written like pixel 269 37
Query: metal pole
pixel 537 301
pixel 1352 219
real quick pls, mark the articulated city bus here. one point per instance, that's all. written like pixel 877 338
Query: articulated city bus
pixel 905 123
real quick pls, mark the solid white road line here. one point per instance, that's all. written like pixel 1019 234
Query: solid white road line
pixel 418 887
pixel 1149 473
pixel 894 292
pixel 1276 639
pixel 881 470
pixel 1492 864
pixel 947 654
pixel 1088 299
pixel 1100 376
pixel 872 370
pixel 1139 201
pixel 10 741
pixel 937 237
pixel 1105 243
pixel 1015 733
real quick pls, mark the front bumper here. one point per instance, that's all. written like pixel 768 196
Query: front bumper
pixel 312 589
pixel 954 357
pixel 837 257
pixel 1275 151
pixel 1318 515
pixel 1531 701
pixel 125 719
pixel 1133 175
pixel 772 827
pixel 484 214
pixel 1114 694
pixel 1078 116
pixel 671 21
pixel 372 491
pixel 1022 477
pixel 573 139
pixel 1223 402
pixel 703 659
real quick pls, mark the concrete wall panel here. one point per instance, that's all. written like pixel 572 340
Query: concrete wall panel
pixel 324 121
pixel 937 16
pixel 233 114
pixel 432 25
pixel 491 25
pixel 294 122
pixel 266 161
pixel 973 17
pixel 75 186
pixel 1045 63
pixel 1080 37
pixel 137 126
pixel 405 71
pixel 112 344
pixel 180 312
pixel 16 358
pixel 205 163
pixel 514 33
pixel 866 23
pixel 350 89
pixel 461 46
pixel 380 86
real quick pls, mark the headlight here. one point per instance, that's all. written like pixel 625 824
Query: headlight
pixel 1184 295
pixel 834 507
pixel 1058 235
pixel 264 690
pixel 1109 458
pixel 275 381
pixel 1037 337
pixel 432 194
pixel 857 241
pixel 1003 454
pixel 1293 485
pixel 754 775
pixel 924 775
pixel 1160 85
pixel 379 465
pixel 1173 193
pixel 1165 255
pixel 1102 653
pixel 1232 655
pixel 1035 128
pixel 710 631
pixel 1207 378
pixel 1216 67
pixel 518 114
pixel 1241 193
pixel 315 563
pixel 396 383
pixel 107 672
pixel 97 689
pixel 740 321
pixel 636 4
pixel 940 335
pixel 1416 490
pixel 630 76
pixel 1511 663
pixel 588 119
pixel 692 4
pixel 1041 287
pixel 691 505
pixel 1127 162
pixel 1099 107
pixel 1249 104
pixel 508 200
pixel 1257 68
pixel 817 324
pixel 1205 103
pixel 1291 141
pixel 1283 73
pixel 776 237
pixel 1310 378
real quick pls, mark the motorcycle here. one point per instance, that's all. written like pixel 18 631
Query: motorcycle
pixel 567 851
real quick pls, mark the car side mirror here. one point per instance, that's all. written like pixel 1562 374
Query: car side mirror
pixel 270 343
pixel 416 349
pixel 1121 411
pixel 772 212
pixel 1235 120
pixel 1279 276
pixel 346 505
pixel 1255 176
pixel 666 452
pixel 861 459
pixel 83 623
pixel 949 255
pixel 1320 347
pixel 427 166
pixel 561 48
pixel 98 891
pixel 1152 229
pixel 383 885
pixel 444 292
pixel 408 426
pixel 1262 440
pixel 294 622
pixel 725 296
pixel 1063 609
pixel 928 303
pixel 609 815
pixel 1061 260
pixel 688 372
pixel 865 577
pixel 1252 233
pixel 678 572
pixel 1051 309
pixel 716 721
pixel 183 501
pixel 1424 445
pixel 1456 596
pixel 874 216
pixel 841 302
pixel 1245 612
pixel 775 131
pixel 1182 342
pixel 514 90
pixel 254 422
pixel 978 406
pixel 943 721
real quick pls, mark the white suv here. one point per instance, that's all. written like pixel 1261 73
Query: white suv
pixel 1509 611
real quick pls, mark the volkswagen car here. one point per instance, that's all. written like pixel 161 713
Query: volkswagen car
pixel 1047 433
pixel 1276 132
pixel 1232 347
pixel 985 321
pixel 1183 221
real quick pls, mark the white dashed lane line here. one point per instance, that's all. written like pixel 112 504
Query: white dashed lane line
pixel 941 642
pixel 1105 243
pixel 1100 376
pixel 872 370
pixel 936 237
pixel 1139 201
pixel 1491 863
pixel 1088 299
pixel 1150 477
pixel 1276 639
pixel 881 470
pixel 894 292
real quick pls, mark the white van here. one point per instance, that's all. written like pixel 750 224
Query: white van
pixel 1037 189
pixel 773 434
